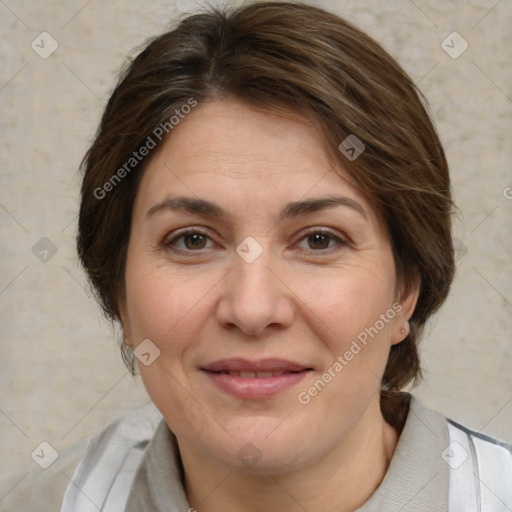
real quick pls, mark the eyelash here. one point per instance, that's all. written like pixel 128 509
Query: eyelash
pixel 193 231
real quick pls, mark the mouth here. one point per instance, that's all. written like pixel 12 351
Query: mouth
pixel 252 375
pixel 254 380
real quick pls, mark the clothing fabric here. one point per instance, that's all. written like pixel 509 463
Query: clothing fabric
pixel 134 466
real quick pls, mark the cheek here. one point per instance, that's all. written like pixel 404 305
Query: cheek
pixel 359 314
pixel 357 308
pixel 161 305
pixel 349 303
pixel 169 310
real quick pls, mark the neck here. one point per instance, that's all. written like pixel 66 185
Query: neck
pixel 342 480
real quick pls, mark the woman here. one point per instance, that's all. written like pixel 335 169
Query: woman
pixel 266 211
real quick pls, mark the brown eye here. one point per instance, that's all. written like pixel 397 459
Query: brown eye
pixel 194 241
pixel 322 240
pixel 188 241
pixel 319 241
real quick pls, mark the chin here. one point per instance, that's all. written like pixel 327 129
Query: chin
pixel 264 446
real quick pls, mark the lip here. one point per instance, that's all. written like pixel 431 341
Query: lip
pixel 288 373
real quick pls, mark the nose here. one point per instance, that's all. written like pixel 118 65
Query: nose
pixel 255 297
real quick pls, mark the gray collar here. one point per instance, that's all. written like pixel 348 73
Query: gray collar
pixel 417 478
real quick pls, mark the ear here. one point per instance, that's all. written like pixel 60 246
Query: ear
pixel 405 306
pixel 125 323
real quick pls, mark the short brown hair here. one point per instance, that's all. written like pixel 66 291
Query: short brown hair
pixel 315 63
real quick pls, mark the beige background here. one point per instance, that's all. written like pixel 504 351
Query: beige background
pixel 62 377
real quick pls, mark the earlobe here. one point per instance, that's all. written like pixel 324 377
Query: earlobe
pixel 401 330
pixel 127 340
pixel 405 330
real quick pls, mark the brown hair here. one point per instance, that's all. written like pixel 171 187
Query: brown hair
pixel 315 63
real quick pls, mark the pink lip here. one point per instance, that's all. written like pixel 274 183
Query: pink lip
pixel 255 388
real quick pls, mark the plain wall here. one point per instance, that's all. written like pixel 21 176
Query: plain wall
pixel 62 377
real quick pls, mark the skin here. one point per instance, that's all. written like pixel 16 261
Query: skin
pixel 302 299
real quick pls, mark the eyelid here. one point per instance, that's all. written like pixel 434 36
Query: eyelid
pixel 327 231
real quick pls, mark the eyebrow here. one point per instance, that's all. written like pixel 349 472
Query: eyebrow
pixel 291 210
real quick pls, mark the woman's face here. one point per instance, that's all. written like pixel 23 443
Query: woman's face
pixel 266 286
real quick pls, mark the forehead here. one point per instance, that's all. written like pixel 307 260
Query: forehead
pixel 228 148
